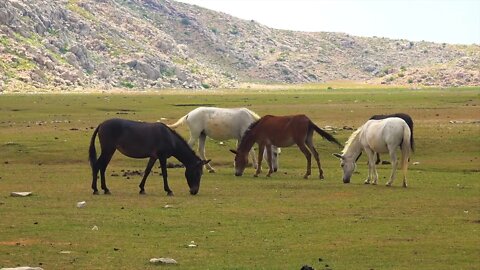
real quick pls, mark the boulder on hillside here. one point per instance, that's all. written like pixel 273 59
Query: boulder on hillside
pixel 149 71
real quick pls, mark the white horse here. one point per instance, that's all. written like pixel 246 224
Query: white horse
pixel 220 124
pixel 377 136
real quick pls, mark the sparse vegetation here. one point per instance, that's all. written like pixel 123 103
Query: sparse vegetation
pixel 127 84
pixel 240 222
pixel 186 21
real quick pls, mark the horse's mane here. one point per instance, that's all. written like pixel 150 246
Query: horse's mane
pixel 181 139
pixel 351 139
pixel 247 132
pixel 256 116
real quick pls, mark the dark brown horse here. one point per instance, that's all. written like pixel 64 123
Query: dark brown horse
pixel 281 131
pixel 143 140
pixel 405 118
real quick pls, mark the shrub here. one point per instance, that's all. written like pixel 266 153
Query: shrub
pixel 126 84
pixel 186 21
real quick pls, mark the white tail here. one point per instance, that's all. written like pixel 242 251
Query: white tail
pixel 178 123
pixel 406 151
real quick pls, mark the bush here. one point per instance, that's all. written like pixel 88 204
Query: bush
pixel 186 21
pixel 127 84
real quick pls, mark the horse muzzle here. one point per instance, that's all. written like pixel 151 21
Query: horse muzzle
pixel 238 174
pixel 346 180
pixel 194 191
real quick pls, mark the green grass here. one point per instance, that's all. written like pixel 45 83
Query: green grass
pixel 282 222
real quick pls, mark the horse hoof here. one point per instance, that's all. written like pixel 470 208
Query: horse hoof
pixel 255 175
pixel 142 192
pixel 170 193
pixel 305 177
pixel 366 183
pixel 95 192
pixel 107 192
pixel 211 171
pixel 321 177
pixel 388 185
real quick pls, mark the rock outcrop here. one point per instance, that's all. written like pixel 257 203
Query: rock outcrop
pixel 103 44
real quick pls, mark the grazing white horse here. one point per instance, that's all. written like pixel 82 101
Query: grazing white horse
pixel 377 136
pixel 220 124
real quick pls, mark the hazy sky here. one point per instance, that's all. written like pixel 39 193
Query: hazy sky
pixel 450 21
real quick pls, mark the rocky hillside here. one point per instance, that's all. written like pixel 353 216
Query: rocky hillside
pixel 105 44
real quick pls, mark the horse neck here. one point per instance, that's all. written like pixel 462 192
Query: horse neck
pixel 354 149
pixel 184 154
pixel 247 142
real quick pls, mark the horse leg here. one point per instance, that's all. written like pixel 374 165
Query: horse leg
pixel 269 159
pixel 163 165
pixel 393 158
pixel 378 159
pixel 372 172
pixel 201 151
pixel 193 139
pixel 95 170
pixel 315 155
pixel 102 162
pixel 150 164
pixel 308 156
pixel 254 158
pixel 261 148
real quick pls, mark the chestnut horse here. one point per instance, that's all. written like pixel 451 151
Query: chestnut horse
pixel 143 140
pixel 281 131
pixel 403 116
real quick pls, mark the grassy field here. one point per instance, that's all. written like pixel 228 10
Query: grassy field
pixel 282 222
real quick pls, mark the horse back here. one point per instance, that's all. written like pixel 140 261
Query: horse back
pixel 282 131
pixel 378 134
pixel 135 139
pixel 407 118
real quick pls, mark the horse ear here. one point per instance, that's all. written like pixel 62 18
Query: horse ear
pixel 337 155
pixel 206 161
pixel 233 151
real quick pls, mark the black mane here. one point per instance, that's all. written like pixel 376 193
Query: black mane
pixel 181 139
pixel 249 129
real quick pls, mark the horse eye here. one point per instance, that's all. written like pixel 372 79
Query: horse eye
pixel 342 165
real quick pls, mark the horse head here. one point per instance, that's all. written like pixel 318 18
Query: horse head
pixel 348 165
pixel 240 162
pixel 194 175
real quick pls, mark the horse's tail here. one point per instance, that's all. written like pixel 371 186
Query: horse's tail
pixel 179 122
pixel 325 134
pixel 412 142
pixel 92 153
pixel 406 146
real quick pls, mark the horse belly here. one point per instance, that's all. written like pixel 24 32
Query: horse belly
pixel 220 131
pixel 379 147
pixel 282 142
pixel 134 151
